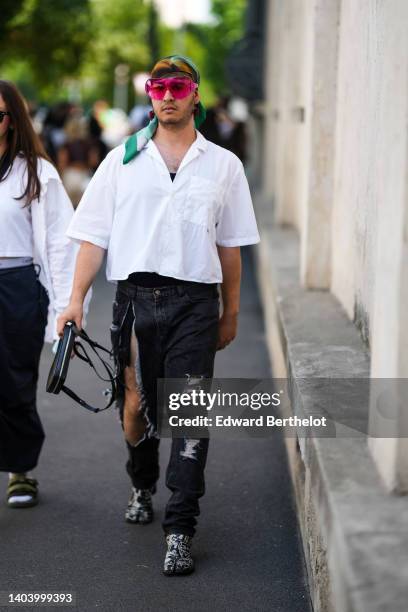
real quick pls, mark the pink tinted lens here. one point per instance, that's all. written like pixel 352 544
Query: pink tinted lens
pixel 179 88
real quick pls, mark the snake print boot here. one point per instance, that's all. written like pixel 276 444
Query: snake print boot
pixel 140 507
pixel 178 558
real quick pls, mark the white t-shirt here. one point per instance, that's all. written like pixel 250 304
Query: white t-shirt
pixel 16 230
pixel 148 223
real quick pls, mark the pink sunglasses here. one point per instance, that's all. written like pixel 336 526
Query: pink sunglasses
pixel 179 87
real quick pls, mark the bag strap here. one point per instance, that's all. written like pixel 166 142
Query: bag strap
pixel 84 356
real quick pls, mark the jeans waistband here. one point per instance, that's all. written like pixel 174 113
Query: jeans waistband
pixel 131 290
pixel 14 262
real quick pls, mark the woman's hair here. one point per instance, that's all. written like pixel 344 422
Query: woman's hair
pixel 22 140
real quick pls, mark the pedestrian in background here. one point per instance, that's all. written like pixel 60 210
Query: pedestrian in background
pixel 36 271
pixel 53 134
pixel 76 157
pixel 99 146
pixel 221 128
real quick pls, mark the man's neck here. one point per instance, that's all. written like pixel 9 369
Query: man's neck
pixel 171 137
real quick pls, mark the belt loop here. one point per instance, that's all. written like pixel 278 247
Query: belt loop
pixel 180 290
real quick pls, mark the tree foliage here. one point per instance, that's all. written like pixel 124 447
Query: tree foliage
pixel 9 9
pixel 47 44
pixel 228 29
pixel 53 34
pixel 120 36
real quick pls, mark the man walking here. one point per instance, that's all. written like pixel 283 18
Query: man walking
pixel 172 210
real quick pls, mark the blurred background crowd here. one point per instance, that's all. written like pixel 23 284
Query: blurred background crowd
pixel 82 65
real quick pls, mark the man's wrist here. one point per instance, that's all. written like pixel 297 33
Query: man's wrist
pixel 230 312
pixel 77 300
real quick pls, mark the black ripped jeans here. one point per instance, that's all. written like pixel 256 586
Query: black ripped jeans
pixel 176 329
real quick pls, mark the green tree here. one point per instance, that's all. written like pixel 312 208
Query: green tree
pixel 218 39
pixel 9 9
pixel 54 47
pixel 120 36
pixel 53 34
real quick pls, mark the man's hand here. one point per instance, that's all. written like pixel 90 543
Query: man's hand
pixel 73 312
pixel 227 330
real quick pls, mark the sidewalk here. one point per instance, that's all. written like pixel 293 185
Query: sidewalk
pixel 247 548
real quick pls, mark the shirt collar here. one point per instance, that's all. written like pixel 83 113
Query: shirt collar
pixel 197 147
pixel 199 143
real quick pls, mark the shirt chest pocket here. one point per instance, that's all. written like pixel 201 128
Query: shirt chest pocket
pixel 202 200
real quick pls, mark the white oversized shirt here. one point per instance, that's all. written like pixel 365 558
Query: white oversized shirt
pixel 46 241
pixel 149 223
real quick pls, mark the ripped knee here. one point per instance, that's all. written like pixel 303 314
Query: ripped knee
pixel 190 449
pixel 134 423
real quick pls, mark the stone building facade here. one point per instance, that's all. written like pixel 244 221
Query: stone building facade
pixel 331 144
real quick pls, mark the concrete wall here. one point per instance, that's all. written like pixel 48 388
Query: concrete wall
pixel 289 57
pixel 389 317
pixel 333 71
pixel 336 168
pixel 299 156
pixel 355 205
pixel 315 234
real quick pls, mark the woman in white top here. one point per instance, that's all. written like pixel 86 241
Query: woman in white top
pixel 36 271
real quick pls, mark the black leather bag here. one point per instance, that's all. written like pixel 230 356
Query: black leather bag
pixel 59 368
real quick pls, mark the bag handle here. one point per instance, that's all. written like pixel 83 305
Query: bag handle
pixel 81 352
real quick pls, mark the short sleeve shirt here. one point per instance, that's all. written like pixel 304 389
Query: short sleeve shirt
pixel 149 223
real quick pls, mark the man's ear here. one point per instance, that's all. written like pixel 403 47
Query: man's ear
pixel 196 96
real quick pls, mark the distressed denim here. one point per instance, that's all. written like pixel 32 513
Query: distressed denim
pixel 176 329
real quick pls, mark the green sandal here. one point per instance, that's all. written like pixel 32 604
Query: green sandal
pixel 22 492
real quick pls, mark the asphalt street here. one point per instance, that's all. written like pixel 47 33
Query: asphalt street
pixel 247 548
